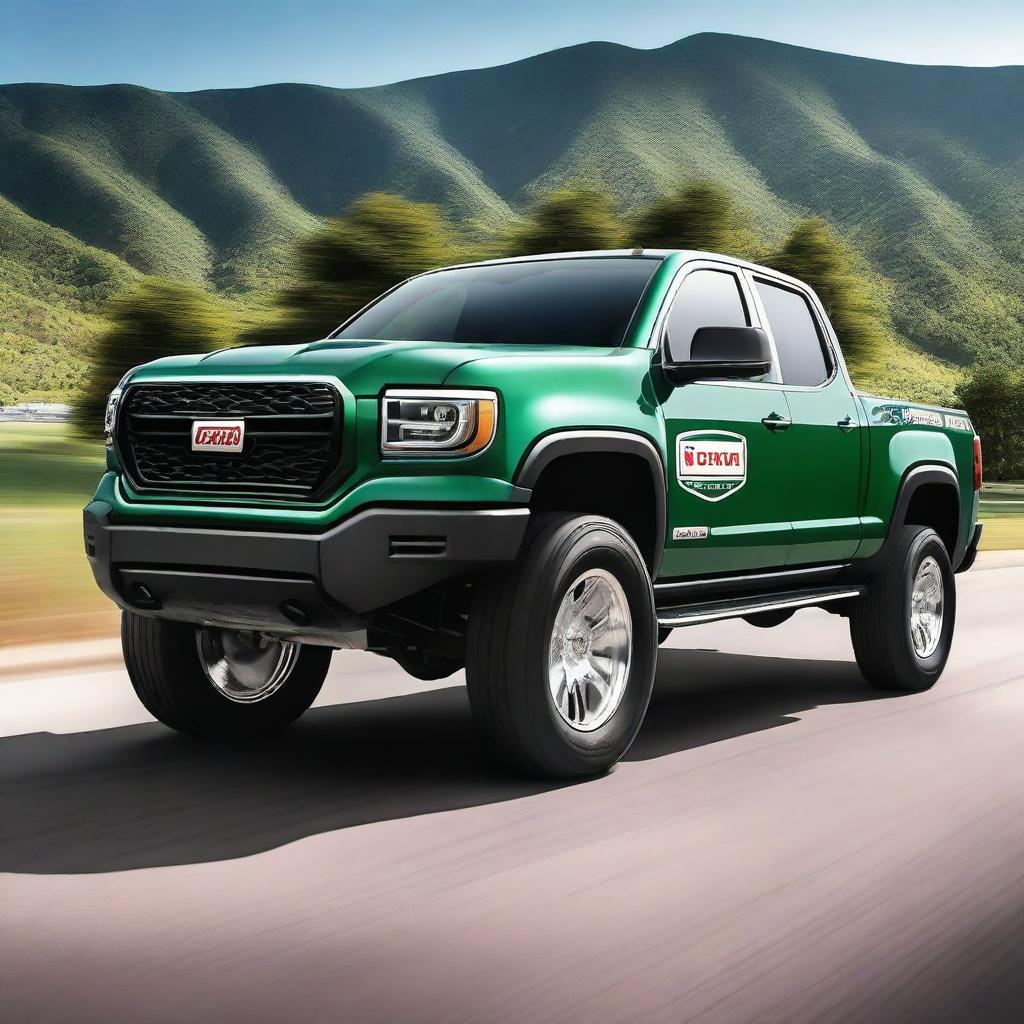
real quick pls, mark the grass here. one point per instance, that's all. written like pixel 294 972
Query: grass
pixel 49 594
pixel 47 475
pixel 1002 512
pixel 47 465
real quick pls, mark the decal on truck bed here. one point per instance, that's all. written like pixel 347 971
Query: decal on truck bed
pixel 912 416
pixel 922 417
pixel 712 464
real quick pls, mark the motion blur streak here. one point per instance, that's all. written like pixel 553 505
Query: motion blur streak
pixel 781 844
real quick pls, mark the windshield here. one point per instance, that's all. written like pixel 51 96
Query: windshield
pixel 583 301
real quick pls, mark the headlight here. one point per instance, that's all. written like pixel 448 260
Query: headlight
pixel 110 416
pixel 437 422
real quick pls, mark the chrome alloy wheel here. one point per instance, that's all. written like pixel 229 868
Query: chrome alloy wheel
pixel 926 608
pixel 589 653
pixel 244 667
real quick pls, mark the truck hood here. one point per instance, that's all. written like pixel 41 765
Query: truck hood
pixel 364 367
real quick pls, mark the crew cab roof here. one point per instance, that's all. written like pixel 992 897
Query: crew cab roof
pixel 636 253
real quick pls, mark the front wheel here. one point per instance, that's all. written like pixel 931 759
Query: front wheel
pixel 219 683
pixel 561 649
pixel 902 629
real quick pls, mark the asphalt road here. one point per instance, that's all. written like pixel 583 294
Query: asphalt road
pixel 780 845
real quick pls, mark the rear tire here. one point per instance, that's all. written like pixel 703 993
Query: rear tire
pixel 561 649
pixel 165 664
pixel 900 642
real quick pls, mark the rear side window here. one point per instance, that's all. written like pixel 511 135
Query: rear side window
pixel 706 298
pixel 801 352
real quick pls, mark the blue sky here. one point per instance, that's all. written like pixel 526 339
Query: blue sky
pixel 185 44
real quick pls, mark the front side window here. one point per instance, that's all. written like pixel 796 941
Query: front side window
pixel 706 298
pixel 581 301
pixel 801 352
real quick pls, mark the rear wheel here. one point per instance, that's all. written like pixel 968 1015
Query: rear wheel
pixel 219 683
pixel 902 629
pixel 561 649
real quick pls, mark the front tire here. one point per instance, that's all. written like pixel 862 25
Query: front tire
pixel 561 649
pixel 219 684
pixel 902 629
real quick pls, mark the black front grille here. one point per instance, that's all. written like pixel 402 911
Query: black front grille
pixel 292 443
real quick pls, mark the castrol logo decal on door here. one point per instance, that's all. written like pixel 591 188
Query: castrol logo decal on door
pixel 218 435
pixel 712 464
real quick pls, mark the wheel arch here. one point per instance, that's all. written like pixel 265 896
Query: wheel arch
pixel 563 471
pixel 928 494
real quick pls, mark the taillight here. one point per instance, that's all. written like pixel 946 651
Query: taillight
pixel 977 463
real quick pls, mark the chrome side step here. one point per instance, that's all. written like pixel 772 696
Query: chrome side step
pixel 733 608
pixel 769 578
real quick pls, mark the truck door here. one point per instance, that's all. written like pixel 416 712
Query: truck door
pixel 728 471
pixel 824 439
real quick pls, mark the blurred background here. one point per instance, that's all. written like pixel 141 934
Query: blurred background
pixel 136 222
pixel 781 842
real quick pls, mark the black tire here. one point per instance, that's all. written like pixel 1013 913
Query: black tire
pixel 507 648
pixel 163 664
pixel 880 621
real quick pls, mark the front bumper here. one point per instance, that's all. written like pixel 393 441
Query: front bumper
pixel 307 586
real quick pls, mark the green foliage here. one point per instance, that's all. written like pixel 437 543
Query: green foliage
pixel 815 254
pixel 570 219
pixel 699 215
pixel 994 397
pixel 915 167
pixel 350 260
pixel 154 318
pixel 906 373
pixel 51 288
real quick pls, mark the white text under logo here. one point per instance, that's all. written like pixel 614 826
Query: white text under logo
pixel 711 464
pixel 218 435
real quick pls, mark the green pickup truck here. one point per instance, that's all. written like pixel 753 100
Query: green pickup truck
pixel 533 469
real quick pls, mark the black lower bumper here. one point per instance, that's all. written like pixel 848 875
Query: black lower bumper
pixel 972 549
pixel 312 586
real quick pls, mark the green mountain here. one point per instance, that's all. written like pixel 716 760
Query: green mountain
pixel 920 167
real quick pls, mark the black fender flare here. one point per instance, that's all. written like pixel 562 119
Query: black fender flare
pixel 912 480
pixel 555 445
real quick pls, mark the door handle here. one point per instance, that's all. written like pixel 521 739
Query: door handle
pixel 847 423
pixel 777 422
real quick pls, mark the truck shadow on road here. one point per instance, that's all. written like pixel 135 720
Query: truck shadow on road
pixel 141 796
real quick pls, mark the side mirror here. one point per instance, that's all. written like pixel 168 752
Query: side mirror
pixel 722 353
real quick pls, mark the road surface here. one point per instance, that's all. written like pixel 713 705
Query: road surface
pixel 780 845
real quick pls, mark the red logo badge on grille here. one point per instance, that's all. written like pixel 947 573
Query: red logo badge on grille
pixel 218 435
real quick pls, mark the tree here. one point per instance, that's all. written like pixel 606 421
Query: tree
pixel 699 215
pixel 994 397
pixel 815 254
pixel 350 260
pixel 154 318
pixel 571 219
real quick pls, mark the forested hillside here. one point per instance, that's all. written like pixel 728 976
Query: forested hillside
pixel 919 168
